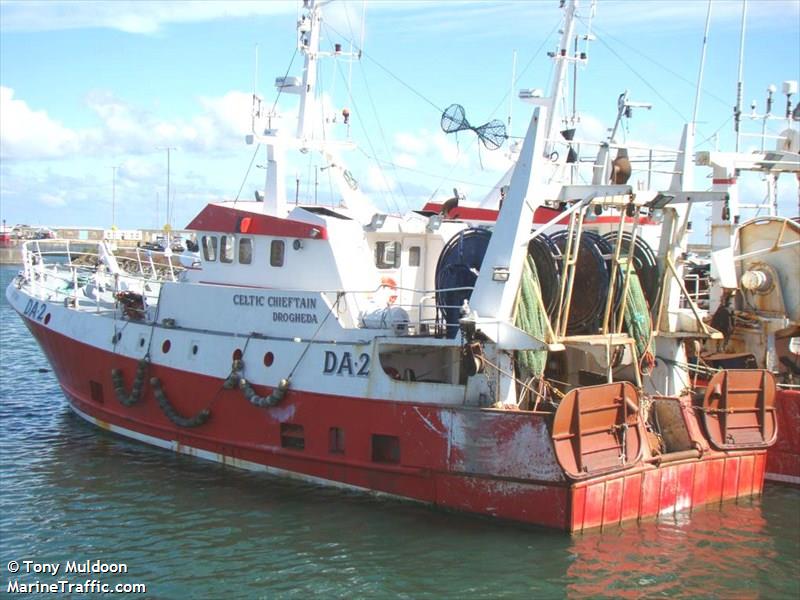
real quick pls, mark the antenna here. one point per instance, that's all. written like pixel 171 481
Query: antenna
pixel 168 149
pixel 114 196
pixel 255 74
pixel 702 65
pixel 511 94
pixel 737 111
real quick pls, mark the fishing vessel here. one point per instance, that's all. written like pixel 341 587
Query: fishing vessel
pixel 753 293
pixel 495 370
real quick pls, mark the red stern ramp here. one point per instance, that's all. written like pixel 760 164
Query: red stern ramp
pixel 739 410
pixel 598 430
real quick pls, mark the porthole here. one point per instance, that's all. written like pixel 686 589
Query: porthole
pixel 269 358
pixel 141 342
pixel 47 318
pixel 194 349
pixel 166 346
pixel 237 354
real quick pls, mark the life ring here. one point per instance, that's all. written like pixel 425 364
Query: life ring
pixel 391 284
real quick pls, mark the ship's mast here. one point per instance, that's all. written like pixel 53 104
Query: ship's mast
pixel 737 111
pixel 560 76
pixel 562 56
pixel 308 44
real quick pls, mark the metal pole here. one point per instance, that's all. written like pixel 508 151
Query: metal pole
pixel 702 65
pixel 113 196
pixel 737 112
pixel 511 92
pixel 168 216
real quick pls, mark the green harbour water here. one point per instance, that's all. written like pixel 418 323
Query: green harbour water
pixel 187 528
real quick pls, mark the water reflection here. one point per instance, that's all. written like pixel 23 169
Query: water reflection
pixel 715 552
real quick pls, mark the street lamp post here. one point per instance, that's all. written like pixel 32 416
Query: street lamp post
pixel 114 197
pixel 168 148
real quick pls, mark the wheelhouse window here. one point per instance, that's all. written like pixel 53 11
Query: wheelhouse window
pixel 387 255
pixel 210 248
pixel 276 253
pixel 245 251
pixel 226 249
pixel 413 256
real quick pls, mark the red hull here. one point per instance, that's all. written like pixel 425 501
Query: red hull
pixel 783 459
pixel 502 478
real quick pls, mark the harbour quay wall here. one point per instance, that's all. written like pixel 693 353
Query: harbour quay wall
pixel 11 255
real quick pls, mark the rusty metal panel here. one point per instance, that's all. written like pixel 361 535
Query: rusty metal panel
pixel 730 478
pixel 685 478
pixel 631 497
pixel 739 410
pixel 578 508
pixel 715 470
pixel 501 443
pixel 598 430
pixel 759 472
pixel 593 511
pixel 700 483
pixel 612 505
pixel 746 472
pixel 651 492
pixel 669 490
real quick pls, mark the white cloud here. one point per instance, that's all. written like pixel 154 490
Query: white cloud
pixel 449 151
pixel 229 114
pixel 455 16
pixel 28 133
pixel 139 16
pixel 378 180
pixel 139 169
pixel 53 200
pixel 406 161
pixel 410 143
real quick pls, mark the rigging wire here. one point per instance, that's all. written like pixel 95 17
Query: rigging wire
pixel 285 75
pixel 258 146
pixel 246 175
pixel 421 172
pixel 385 144
pixel 726 122
pixel 497 107
pixel 367 137
pixel 675 74
pixel 643 80
pixel 431 103
pixel 388 72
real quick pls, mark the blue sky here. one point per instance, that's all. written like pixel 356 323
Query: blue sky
pixel 86 86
